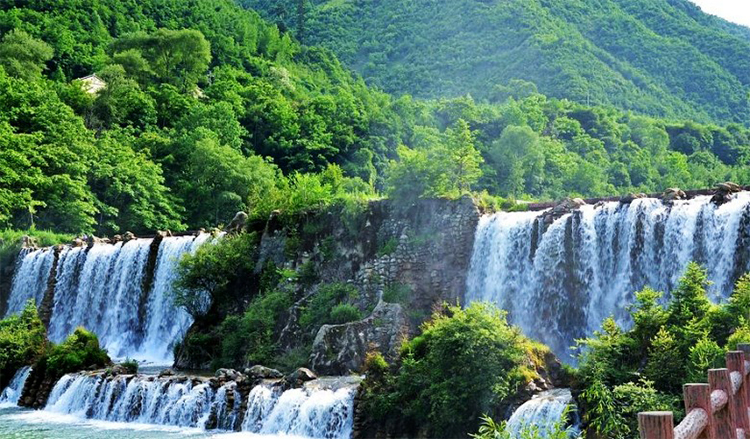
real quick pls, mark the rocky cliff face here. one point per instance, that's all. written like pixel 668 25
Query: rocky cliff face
pixel 403 261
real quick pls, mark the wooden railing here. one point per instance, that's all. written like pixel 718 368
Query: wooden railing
pixel 718 409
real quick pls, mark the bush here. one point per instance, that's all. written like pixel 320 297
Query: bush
pixel 465 362
pixel 343 313
pixel 318 309
pixel 23 339
pixel 79 351
pixel 130 365
pixel 397 293
pixel 216 275
pixel 670 343
pixel 249 338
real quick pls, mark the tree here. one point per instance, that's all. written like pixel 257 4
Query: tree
pixel 23 56
pixel 178 57
pixel 463 157
pixel 519 161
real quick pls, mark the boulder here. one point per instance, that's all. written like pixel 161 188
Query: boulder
pixel 227 374
pixel 630 198
pixel 728 187
pixel 238 223
pixel 725 192
pixel 340 349
pixel 566 206
pixel 166 372
pixel 126 237
pixel 116 239
pixel 261 372
pixel 77 242
pixel 672 194
pixel 300 376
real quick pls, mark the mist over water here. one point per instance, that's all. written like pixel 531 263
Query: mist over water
pixel 559 283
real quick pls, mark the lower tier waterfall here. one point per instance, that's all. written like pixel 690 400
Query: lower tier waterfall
pixel 559 281
pixel 310 411
pixel 12 393
pixel 540 416
pixel 105 288
pixel 304 412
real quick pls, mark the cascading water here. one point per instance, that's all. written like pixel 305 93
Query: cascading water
pixel 143 399
pixel 12 393
pixel 165 323
pixel 30 279
pixel 542 415
pixel 311 411
pixel 307 412
pixel 559 284
pixel 101 288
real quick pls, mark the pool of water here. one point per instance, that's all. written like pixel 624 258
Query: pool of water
pixel 18 422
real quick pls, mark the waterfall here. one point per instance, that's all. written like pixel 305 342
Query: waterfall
pixel 311 411
pixel 30 278
pixel 143 399
pixel 101 288
pixel 306 412
pixel 165 323
pixel 12 393
pixel 538 417
pixel 559 284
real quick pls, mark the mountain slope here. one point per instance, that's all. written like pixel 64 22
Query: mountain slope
pixel 660 57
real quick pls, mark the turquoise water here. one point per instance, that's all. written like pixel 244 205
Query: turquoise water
pixel 16 422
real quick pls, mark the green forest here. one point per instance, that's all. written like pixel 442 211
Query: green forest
pixel 657 57
pixel 331 121
pixel 208 110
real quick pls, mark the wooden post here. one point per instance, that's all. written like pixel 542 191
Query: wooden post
pixel 656 424
pixel 723 420
pixel 736 362
pixel 745 348
pixel 698 395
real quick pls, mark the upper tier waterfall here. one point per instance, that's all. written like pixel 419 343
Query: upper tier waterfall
pixel 559 283
pixel 103 289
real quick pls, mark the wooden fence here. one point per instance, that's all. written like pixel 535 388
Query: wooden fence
pixel 717 409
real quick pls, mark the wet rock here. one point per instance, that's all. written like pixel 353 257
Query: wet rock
pixel 261 372
pixel 126 237
pixel 166 372
pixel 116 239
pixel 725 192
pixel 300 376
pixel 672 194
pixel 77 242
pixel 227 374
pixel 567 206
pixel 630 198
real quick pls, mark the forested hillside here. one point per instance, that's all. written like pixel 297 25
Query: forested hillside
pixel 205 110
pixel 659 57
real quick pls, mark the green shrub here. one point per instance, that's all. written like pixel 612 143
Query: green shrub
pixel 23 338
pixel 465 362
pixel 249 338
pixel 130 365
pixel 307 274
pixel 397 293
pixel 343 313
pixel 388 247
pixel 219 269
pixel 79 351
pixel 318 309
pixel 292 359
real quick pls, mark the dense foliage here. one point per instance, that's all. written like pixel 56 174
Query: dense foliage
pixel 670 344
pixel 664 58
pixel 462 365
pixel 79 351
pixel 23 338
pixel 206 110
